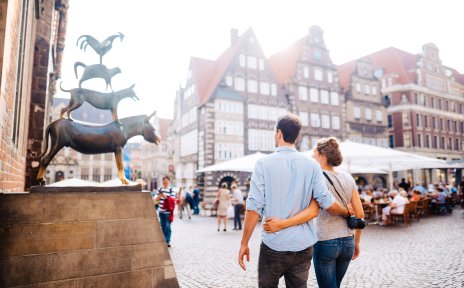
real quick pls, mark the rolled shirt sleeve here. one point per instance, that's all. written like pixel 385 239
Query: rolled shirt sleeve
pixel 321 193
pixel 256 201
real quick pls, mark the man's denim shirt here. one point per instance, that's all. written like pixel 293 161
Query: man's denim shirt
pixel 283 184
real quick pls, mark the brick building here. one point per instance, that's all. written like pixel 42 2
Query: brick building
pixel 425 106
pixel 31 44
pixel 311 83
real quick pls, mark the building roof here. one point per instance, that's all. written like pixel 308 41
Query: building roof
pixel 284 63
pixel 164 125
pixel 207 74
pixel 391 60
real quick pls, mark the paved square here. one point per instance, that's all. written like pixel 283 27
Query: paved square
pixel 430 253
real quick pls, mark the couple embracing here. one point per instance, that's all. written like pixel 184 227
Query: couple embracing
pixel 288 190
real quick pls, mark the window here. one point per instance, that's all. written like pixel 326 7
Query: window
pixel 313 95
pixel 96 174
pixel 315 120
pixel 226 151
pixel 426 124
pixel 325 121
pixel 252 86
pixel 419 140
pixel 252 62
pixel 435 142
pixel 449 125
pixel 450 144
pixel 374 91
pixel 358 87
pixel 336 122
pixel 329 77
pixel 434 123
pixel 317 74
pixel 324 97
pixel 442 143
pixel 229 81
pixel 418 123
pixel 273 89
pixel 304 118
pixel 368 114
pixel 305 72
pixel 225 127
pixel 405 119
pixel 242 60
pixel 108 174
pixel 439 103
pixel 391 141
pixel 239 84
pixel 189 143
pixel 441 124
pixel 85 173
pixel 334 99
pixel 367 89
pixel 456 144
pixel 317 54
pixel 261 64
pixel 378 115
pixel 260 140
pixel 264 88
pixel 302 93
pixel 455 126
pixel 427 141
pixel 357 112
pixel 390 121
pixel 407 139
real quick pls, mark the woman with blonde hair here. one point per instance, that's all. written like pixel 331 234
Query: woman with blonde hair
pixel 337 244
pixel 223 199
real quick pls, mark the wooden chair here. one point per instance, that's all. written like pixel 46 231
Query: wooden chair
pixel 423 207
pixel 413 210
pixel 369 212
pixel 401 217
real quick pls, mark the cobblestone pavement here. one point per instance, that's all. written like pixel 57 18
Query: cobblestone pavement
pixel 429 253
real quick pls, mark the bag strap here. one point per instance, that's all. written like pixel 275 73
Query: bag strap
pixel 331 183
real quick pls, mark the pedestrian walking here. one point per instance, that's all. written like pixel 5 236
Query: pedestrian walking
pixel 183 201
pixel 237 201
pixel 283 184
pixel 223 200
pixel 166 197
pixel 196 200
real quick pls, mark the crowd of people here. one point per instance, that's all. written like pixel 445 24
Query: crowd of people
pixel 442 197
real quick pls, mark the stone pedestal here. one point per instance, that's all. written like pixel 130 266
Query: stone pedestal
pixel 82 239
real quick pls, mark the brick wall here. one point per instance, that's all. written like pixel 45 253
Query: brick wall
pixel 13 151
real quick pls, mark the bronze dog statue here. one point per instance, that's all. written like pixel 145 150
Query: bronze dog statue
pixel 100 48
pixel 96 71
pixel 88 139
pixel 108 101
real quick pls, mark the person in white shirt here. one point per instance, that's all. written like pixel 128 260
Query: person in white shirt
pixel 237 200
pixel 395 207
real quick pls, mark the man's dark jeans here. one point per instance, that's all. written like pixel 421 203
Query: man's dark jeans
pixel 238 216
pixel 331 260
pixel 294 266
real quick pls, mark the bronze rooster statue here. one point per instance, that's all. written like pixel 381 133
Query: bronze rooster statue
pixel 101 48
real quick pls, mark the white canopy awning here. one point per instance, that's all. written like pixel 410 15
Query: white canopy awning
pixel 241 164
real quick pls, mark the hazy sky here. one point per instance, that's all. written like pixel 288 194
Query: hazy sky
pixel 160 36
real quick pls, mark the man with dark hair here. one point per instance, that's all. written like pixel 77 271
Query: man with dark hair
pixel 283 184
pixel 165 194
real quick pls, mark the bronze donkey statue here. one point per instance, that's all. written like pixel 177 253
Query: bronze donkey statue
pixel 96 71
pixel 108 101
pixel 88 139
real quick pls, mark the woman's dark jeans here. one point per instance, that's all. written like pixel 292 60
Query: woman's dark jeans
pixel 331 259
pixel 238 216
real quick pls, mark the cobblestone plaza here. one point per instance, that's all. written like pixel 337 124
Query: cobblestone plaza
pixel 429 253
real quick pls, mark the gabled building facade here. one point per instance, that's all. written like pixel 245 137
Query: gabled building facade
pixel 228 107
pixel 311 83
pixel 365 109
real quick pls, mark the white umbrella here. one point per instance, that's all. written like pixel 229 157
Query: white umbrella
pixel 241 164
pixel 373 157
